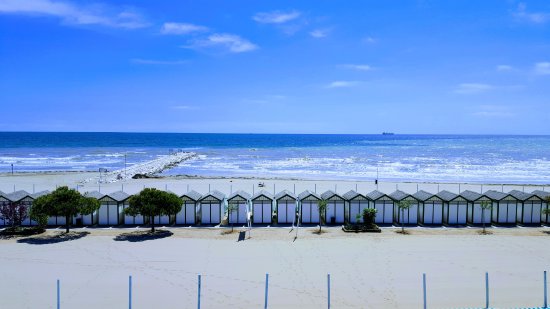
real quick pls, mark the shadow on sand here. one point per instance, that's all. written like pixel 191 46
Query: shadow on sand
pixel 143 236
pixel 53 239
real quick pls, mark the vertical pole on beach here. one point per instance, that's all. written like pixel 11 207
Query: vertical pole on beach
pixel 459 189
pixel 208 187
pixel 199 295
pixel 273 188
pixel 58 295
pixel 416 187
pixel 130 292
pixel 355 187
pixel 12 168
pixel 187 188
pixel 545 291
pixel 481 189
pixel 486 290
pixel 266 289
pixel 424 289
pixel 33 188
pixel 295 188
pixel 328 289
pixel 315 188
pixel 335 188
pixel 523 188
pixel 501 188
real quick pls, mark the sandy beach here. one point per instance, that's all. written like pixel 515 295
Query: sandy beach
pixel 367 271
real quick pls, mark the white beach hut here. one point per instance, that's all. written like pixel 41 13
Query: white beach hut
pixel 408 216
pixel 309 211
pixel 211 207
pixel 335 212
pixel 530 208
pixel 543 195
pixel 475 214
pixel 384 207
pixel 505 207
pixel 357 202
pixel 262 207
pixel 93 218
pixel 111 209
pixel 188 213
pixel 285 207
pixel 239 200
pixel 430 208
pixel 24 198
pixel 455 209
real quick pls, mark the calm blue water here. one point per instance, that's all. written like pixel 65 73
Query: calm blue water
pixel 509 159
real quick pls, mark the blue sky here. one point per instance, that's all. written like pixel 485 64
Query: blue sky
pixel 473 67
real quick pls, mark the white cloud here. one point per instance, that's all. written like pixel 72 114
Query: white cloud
pixel 231 42
pixel 319 33
pixel 181 28
pixel 370 40
pixel 493 111
pixel 504 68
pixel 358 67
pixel 342 84
pixel 72 14
pixel 542 68
pixel 158 62
pixel 276 17
pixel 472 88
pixel 537 18
pixel 184 107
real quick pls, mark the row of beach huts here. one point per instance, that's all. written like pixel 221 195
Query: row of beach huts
pixel 444 208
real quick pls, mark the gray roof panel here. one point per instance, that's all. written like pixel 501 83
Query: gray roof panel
pixel 240 193
pixel 471 196
pixel 215 194
pixel 351 194
pixel 17 195
pixel 119 196
pixel 285 193
pixel 399 195
pixel 262 193
pixel 423 195
pixel 194 195
pixel 447 196
pixel 521 196
pixel 495 195
pixel 374 195
pixel 95 194
pixel 307 193
pixel 542 194
pixel 328 194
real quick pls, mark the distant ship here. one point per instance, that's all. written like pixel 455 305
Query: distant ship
pixel 387 133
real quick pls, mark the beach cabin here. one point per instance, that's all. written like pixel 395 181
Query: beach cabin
pixel 475 214
pixel 239 200
pixel 111 208
pixel 335 211
pixel 505 207
pixel 543 195
pixel 308 207
pixel 407 216
pixel 3 201
pixel 23 198
pixel 285 207
pixel 455 209
pixel 93 218
pixel 211 208
pixel 188 213
pixel 530 208
pixel 357 202
pixel 430 208
pixel 262 207
pixel 383 205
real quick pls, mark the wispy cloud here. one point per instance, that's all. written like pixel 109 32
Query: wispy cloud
pixel 542 68
pixel 158 62
pixel 472 88
pixel 181 28
pixel 369 40
pixel 185 107
pixel 357 67
pixel 522 14
pixel 493 111
pixel 276 17
pixel 343 84
pixel 319 33
pixel 231 42
pixel 73 14
pixel 504 68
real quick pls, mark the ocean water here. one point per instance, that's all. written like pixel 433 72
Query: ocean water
pixel 445 158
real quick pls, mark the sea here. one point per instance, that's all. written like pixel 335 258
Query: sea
pixel 424 158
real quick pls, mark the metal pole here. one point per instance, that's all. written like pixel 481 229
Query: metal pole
pixel 335 188
pixel 124 165
pixel 424 287
pixel 315 188
pixel 355 187
pixel 486 290
pixel 58 295
pixel 266 289
pixel 33 188
pixel 328 285
pixel 130 292
pixel 295 189
pixel 273 189
pixel 545 291
pixel 199 296
pixel 208 187
pixel 416 187
pixel 12 168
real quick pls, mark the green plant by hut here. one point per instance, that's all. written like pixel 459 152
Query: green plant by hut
pixel 485 205
pixel 322 208
pixel 402 206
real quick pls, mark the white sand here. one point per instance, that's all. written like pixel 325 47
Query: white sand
pixel 368 271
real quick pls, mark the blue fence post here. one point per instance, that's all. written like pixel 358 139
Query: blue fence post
pixel 424 288
pixel 266 289
pixel 130 292
pixel 545 291
pixel 199 295
pixel 328 286
pixel 486 290
pixel 58 295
